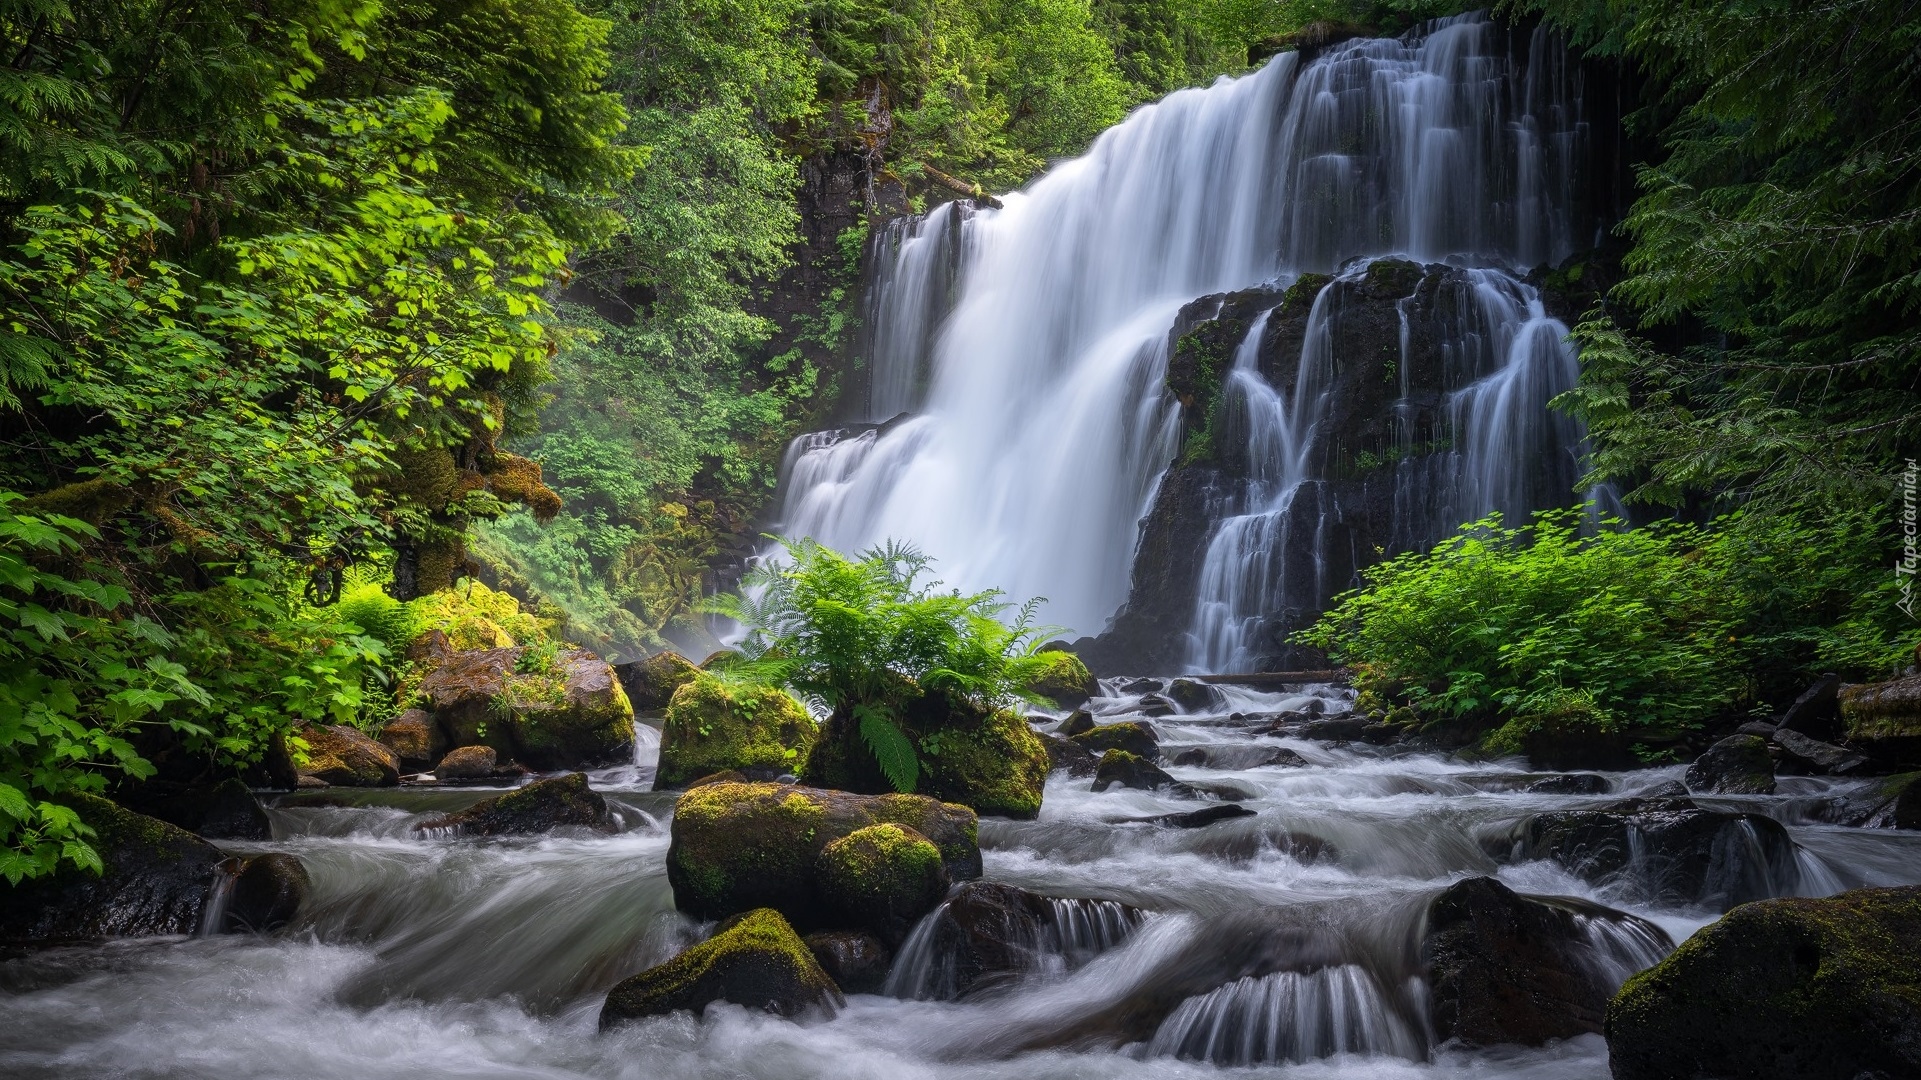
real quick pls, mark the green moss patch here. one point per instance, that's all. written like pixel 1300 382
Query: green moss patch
pixel 757 962
pixel 712 727
pixel 882 878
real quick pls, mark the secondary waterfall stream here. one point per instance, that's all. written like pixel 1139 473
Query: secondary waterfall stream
pixel 1020 353
pixel 422 955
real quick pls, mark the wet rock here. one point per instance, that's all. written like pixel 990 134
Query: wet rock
pixel 1191 695
pixel 881 878
pixel 758 963
pixel 1067 754
pixel 1737 765
pixel 1140 686
pixel 1883 710
pixel 1812 755
pixel 1817 712
pixel 1118 767
pixel 1380 733
pixel 414 740
pixel 1155 705
pixel 467 763
pixel 725 776
pixel 856 960
pixel 987 932
pixel 760 732
pixel 1785 989
pixel 1067 682
pixel 650 683
pixel 536 808
pixel 1572 784
pixel 227 810
pixel 1078 721
pixel 1200 819
pixel 1664 851
pixel 267 893
pixel 156 879
pixel 1572 748
pixel 989 760
pixel 1134 736
pixel 742 846
pixel 342 757
pixel 1285 758
pixel 1504 968
pixel 1339 729
pixel 1194 758
pixel 1898 803
pixel 564 713
pixel 1760 728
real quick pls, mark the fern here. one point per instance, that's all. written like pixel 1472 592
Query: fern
pixel 892 749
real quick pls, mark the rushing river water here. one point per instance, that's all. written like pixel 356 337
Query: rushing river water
pixel 429 956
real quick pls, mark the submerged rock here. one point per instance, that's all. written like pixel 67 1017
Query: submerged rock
pixel 882 878
pixel 651 683
pixel 1133 736
pixel 856 960
pixel 538 807
pixel 758 962
pixel 571 714
pixel 267 893
pixel 1504 968
pixel 339 756
pixel 987 932
pixel 737 847
pixel 1666 850
pixel 1200 819
pixel 1338 729
pixel 758 731
pixel 1067 683
pixel 1737 765
pixel 1785 989
pixel 987 759
pixel 1572 784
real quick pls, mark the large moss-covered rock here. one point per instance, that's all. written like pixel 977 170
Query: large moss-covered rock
pixel 758 962
pixel 883 877
pixel 1134 736
pixel 737 847
pixel 226 810
pixel 563 711
pixel 710 727
pixel 651 683
pixel 986 759
pixel 1067 682
pixel 415 740
pixel 1883 710
pixel 1737 765
pixel 1122 769
pixel 1783 989
pixel 1505 968
pixel 538 807
pixel 340 756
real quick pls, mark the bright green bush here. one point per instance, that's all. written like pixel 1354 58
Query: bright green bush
pixel 1649 631
pixel 867 635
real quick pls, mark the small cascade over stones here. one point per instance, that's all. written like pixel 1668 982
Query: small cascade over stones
pixel 1022 410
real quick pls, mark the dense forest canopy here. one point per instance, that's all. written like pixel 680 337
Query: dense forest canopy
pixel 307 295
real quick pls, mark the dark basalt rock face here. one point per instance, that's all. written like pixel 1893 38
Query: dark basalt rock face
pixel 536 808
pixel 1504 968
pixel 1785 989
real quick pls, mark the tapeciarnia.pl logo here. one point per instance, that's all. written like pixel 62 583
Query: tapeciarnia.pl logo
pixel 1904 567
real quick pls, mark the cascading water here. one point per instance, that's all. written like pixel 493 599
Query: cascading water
pixel 1030 343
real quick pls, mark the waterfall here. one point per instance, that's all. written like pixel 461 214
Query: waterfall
pixel 1030 344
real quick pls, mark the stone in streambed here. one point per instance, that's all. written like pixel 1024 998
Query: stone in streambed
pixel 1078 721
pixel 342 757
pixel 1067 754
pixel 987 759
pixel 758 962
pixel 535 808
pixel 882 878
pixel 737 847
pixel 1787 989
pixel 267 893
pixel 1191 695
pixel 1817 712
pixel 651 683
pixel 856 960
pixel 1813 755
pixel 1067 682
pixel 1505 968
pixel 1338 729
pixel 1200 819
pixel 1737 765
pixel 1670 850
pixel 1194 758
pixel 987 932
pixel 1118 767
pixel 415 740
pixel 710 726
pixel 467 763
pixel 1898 803
pixel 1572 784
pixel 1133 736
pixel 226 811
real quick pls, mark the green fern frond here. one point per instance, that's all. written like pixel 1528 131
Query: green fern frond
pixel 892 749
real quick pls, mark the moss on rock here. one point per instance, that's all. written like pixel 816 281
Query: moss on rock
pixel 538 807
pixel 712 727
pixel 737 847
pixel 1883 710
pixel 1787 988
pixel 758 962
pixel 986 759
pixel 1067 682
pixel 651 683
pixel 883 878
pixel 1134 736
pixel 343 757
pixel 155 879
pixel 572 713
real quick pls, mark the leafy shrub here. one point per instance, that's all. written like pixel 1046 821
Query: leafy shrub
pixel 1649 631
pixel 866 636
pixel 379 616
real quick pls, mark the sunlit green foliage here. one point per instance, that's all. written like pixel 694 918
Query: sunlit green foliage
pixel 864 636
pixel 1648 632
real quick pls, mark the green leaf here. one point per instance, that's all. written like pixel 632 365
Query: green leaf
pixel 891 748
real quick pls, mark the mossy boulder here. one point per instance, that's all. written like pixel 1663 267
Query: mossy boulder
pixel 1067 682
pixel 1737 765
pixel 1134 736
pixel 1120 768
pixel 342 757
pixel 1786 989
pixel 650 683
pixel 986 759
pixel 467 763
pixel 758 962
pixel 563 710
pixel 710 727
pixel 1883 710
pixel 415 740
pixel 883 877
pixel 737 847
pixel 535 808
